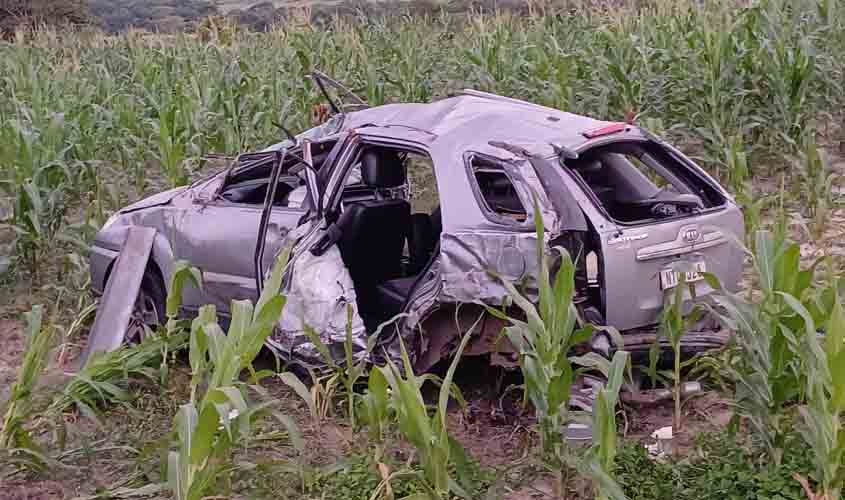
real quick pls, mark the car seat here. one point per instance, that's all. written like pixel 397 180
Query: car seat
pixel 423 243
pixel 373 232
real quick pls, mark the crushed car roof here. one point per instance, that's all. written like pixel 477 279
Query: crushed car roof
pixel 473 119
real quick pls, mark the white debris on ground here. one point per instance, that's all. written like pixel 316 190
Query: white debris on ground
pixel 662 447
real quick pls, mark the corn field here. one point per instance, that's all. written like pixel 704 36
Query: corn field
pixel 87 119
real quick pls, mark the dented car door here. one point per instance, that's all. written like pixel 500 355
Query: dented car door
pixel 220 236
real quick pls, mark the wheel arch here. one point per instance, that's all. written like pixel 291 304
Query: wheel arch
pixel 160 262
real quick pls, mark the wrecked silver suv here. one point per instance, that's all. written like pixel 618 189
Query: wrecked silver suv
pixel 343 197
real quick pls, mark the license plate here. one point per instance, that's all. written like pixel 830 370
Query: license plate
pixel 670 278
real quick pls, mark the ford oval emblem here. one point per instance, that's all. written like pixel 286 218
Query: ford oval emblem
pixel 691 235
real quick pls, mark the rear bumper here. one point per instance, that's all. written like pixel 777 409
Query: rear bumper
pixel 638 343
pixel 101 260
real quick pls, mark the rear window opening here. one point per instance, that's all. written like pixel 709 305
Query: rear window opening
pixel 498 194
pixel 637 182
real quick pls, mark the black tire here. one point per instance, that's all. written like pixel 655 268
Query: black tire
pixel 149 311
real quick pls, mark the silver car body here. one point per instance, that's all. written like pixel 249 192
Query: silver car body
pixel 527 141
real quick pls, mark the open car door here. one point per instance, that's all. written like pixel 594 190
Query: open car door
pixel 274 230
pixel 260 200
pixel 318 285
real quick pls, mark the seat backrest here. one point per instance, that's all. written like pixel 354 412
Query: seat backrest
pixel 374 231
pixel 423 238
pixel 382 169
pixel 373 239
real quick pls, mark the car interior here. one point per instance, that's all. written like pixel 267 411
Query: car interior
pixel 247 182
pixel 385 247
pixel 639 183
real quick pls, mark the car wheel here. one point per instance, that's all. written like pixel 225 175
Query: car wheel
pixel 148 313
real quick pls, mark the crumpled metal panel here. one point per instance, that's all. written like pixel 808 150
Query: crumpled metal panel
pixel 467 258
pixel 157 199
pixel 318 291
pixel 121 292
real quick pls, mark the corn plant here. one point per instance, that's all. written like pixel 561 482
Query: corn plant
pixel 182 275
pixel 815 185
pixel 822 416
pixel 376 410
pixel 674 322
pixel 736 164
pixel 544 341
pixel 770 333
pixel 105 378
pixel 604 429
pixel 37 221
pixel 212 424
pixel 15 436
pixel 436 450
pixel 337 379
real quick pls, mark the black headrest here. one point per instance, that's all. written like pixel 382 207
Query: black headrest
pixel 382 169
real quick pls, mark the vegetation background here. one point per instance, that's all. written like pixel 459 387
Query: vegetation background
pixel 94 114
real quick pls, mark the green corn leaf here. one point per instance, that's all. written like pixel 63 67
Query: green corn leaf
pixel 322 348
pixel 241 311
pixel 377 391
pixel 560 387
pixel 183 272
pixel 835 332
pixel 175 476
pixel 186 424
pixel 445 388
pixel 290 380
pixel 204 435
pixel 273 284
pixel 764 247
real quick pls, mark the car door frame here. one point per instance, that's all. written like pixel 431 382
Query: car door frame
pixel 217 281
pixel 314 209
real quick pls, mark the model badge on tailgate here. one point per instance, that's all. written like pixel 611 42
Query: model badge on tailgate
pixel 615 240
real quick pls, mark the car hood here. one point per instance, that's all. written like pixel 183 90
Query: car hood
pixel 155 200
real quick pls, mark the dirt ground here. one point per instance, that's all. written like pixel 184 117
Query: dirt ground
pixel 496 438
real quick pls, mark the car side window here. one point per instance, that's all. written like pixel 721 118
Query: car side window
pixel 495 190
pixel 247 182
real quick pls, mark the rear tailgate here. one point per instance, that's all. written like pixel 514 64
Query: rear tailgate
pixel 621 176
pixel 639 262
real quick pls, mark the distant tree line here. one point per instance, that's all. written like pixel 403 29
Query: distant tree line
pixel 264 15
pixel 153 15
pixel 31 13
pixel 186 15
